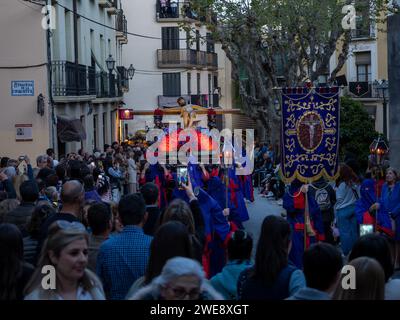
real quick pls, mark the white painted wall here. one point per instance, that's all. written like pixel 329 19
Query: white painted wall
pixel 23 44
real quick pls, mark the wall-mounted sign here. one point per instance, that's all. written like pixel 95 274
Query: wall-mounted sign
pixel 125 114
pixel 23 132
pixel 22 88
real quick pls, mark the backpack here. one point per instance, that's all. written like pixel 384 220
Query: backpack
pixel 323 199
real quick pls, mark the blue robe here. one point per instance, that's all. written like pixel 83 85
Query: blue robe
pixel 390 206
pixel 216 228
pixel 216 189
pixel 295 207
pixel 367 199
pixel 236 195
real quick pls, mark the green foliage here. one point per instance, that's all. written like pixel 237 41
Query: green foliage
pixel 357 131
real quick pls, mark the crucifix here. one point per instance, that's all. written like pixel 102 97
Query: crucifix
pixel 358 88
pixel 312 123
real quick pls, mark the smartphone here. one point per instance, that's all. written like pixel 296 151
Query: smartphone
pixel 366 229
pixel 182 175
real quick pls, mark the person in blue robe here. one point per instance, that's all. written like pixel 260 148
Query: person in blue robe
pixel 366 215
pixel 294 203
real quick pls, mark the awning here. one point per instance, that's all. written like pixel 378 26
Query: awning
pixel 69 130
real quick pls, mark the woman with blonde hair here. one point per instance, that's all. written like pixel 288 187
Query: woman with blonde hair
pixel 66 249
pixel 369 281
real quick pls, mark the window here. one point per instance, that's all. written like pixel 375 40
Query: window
pixel 197 40
pixel 92 47
pixel 363 73
pixel 69 40
pixel 189 84
pixel 210 43
pixel 102 51
pixel 363 22
pixel 172 84
pixel 198 84
pixel 363 64
pixel 170 38
pixel 187 39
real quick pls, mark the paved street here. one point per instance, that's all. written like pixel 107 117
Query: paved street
pixel 258 210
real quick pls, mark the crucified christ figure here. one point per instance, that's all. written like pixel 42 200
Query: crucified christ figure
pixel 312 124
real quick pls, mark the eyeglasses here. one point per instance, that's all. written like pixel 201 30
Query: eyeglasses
pixel 181 293
pixel 66 225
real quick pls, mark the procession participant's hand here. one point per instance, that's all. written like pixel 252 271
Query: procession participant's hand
pixel 226 212
pixel 304 188
pixel 374 207
pixel 189 190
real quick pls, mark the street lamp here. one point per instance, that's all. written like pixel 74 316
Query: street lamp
pixel 379 149
pixel 110 62
pixel 382 89
pixel 131 72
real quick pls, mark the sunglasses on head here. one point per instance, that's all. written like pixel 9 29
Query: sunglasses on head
pixel 66 225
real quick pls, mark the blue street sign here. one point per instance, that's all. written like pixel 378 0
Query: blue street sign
pixel 22 88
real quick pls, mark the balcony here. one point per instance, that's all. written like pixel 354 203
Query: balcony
pixel 186 58
pixel 106 3
pixel 363 32
pixel 71 80
pixel 121 25
pixel 175 13
pixel 114 7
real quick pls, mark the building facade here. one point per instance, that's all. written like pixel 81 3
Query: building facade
pixel 24 126
pixel 172 63
pixel 88 79
pixel 366 68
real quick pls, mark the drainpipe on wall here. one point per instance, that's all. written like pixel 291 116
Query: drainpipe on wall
pixel 52 118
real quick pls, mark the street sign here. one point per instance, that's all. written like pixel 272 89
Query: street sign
pixel 22 88
pixel 23 132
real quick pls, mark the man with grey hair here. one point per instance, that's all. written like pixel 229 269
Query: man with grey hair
pixel 41 162
pixel 72 198
pixel 180 279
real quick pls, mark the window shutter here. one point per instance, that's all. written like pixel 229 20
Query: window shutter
pixel 363 58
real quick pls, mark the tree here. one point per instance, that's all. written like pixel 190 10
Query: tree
pixel 357 131
pixel 277 43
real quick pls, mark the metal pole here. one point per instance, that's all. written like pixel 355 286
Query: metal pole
pixel 385 132
pixel 109 83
